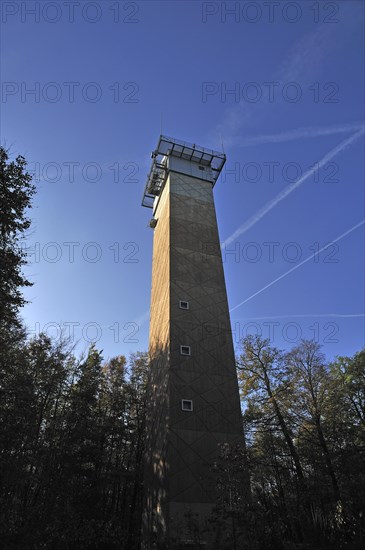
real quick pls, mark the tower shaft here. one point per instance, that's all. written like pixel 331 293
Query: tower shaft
pixel 193 403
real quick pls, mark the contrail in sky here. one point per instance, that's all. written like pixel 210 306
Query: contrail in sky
pixel 143 318
pixel 299 265
pixel 281 196
pixel 309 132
pixel 303 315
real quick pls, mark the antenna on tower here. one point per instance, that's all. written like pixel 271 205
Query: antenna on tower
pixel 223 151
pixel 161 124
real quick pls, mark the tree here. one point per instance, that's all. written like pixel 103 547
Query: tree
pixel 262 372
pixel 347 403
pixel 16 191
pixel 306 367
pixel 298 408
pixel 350 374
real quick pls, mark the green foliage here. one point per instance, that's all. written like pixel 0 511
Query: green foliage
pixel 304 425
pixel 16 191
pixel 72 450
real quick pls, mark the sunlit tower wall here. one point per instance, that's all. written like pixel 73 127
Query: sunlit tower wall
pixel 193 398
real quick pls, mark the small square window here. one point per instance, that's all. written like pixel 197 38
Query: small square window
pixel 187 405
pixel 184 350
pixel 201 167
pixel 183 305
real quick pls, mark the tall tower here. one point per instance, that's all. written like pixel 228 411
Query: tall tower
pixel 193 401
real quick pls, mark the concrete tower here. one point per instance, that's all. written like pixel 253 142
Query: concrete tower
pixel 193 401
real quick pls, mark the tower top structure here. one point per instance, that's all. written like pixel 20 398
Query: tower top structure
pixel 182 157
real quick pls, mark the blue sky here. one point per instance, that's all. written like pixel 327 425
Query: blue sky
pixel 279 84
